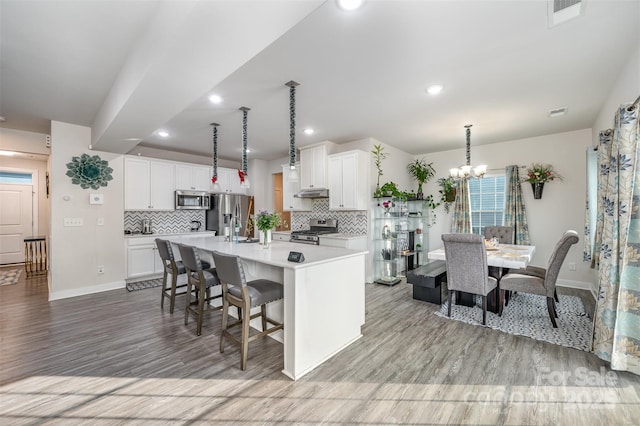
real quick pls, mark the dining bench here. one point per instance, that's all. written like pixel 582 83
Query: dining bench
pixel 426 281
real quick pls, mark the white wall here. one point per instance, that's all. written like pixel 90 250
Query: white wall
pixel 625 90
pixel 76 252
pixel 21 141
pixel 562 204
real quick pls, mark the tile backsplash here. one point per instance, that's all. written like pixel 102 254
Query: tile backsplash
pixel 349 222
pixel 164 222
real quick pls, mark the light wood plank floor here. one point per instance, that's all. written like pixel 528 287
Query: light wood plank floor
pixel 116 358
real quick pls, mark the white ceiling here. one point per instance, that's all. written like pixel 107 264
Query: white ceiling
pixel 128 68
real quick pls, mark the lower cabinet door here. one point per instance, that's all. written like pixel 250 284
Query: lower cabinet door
pixel 141 261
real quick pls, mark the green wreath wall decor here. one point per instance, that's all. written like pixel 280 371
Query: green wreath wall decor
pixel 89 172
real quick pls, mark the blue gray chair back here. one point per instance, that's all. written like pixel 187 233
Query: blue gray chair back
pixel 466 259
pixel 190 257
pixel 164 250
pixel 229 268
pixel 556 259
pixel 503 233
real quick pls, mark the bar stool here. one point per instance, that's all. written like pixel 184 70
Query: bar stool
pixel 244 295
pixel 173 267
pixel 199 280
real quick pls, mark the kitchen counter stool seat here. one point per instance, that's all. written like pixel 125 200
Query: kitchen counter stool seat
pixel 172 267
pixel 200 281
pixel 244 296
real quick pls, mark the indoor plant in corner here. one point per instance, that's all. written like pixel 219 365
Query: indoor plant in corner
pixel 378 156
pixel 265 222
pixel 422 172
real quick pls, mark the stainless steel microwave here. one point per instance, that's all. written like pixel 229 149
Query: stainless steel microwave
pixel 192 200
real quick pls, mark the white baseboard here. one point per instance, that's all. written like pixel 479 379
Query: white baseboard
pixel 581 285
pixel 65 294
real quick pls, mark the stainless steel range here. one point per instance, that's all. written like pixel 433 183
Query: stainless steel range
pixel 317 227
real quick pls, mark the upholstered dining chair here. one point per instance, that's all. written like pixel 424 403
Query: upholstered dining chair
pixel 540 281
pixel 506 236
pixel 503 233
pixel 244 295
pixel 467 269
pixel 201 281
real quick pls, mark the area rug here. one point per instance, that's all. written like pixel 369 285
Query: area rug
pixel 527 315
pixel 9 276
pixel 141 285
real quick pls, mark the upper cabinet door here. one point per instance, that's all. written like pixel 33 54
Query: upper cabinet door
pixel 313 165
pixel 136 184
pixel 183 177
pixel 229 181
pixel 162 179
pixel 201 178
pixel 348 181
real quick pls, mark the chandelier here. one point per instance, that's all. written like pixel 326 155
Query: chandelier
pixel 465 172
pixel 214 178
pixel 244 178
pixel 293 174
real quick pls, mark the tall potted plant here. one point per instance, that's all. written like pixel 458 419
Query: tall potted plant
pixel 378 156
pixel 422 172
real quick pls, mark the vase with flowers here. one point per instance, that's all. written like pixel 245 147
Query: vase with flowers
pixel 538 174
pixel 387 205
pixel 265 222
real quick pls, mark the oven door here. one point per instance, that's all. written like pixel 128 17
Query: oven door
pixel 304 239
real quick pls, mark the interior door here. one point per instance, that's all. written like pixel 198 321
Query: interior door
pixel 16 221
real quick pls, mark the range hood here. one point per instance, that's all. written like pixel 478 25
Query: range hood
pixel 313 193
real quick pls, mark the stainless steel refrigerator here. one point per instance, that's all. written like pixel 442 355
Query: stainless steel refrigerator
pixel 227 210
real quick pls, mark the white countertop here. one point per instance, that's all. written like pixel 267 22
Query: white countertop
pixel 278 252
pixel 168 234
pixel 341 236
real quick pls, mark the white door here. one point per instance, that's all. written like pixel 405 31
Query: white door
pixel 16 221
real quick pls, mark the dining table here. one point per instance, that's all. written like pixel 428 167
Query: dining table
pixel 510 256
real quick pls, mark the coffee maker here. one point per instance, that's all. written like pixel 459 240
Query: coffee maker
pixel 146 226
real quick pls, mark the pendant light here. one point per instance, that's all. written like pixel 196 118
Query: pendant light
pixel 214 178
pixel 244 178
pixel 293 174
pixel 464 172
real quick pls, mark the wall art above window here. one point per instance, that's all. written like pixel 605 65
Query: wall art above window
pixel 89 172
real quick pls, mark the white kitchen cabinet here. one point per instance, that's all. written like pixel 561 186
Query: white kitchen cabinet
pixel 142 258
pixel 148 184
pixel 229 181
pixel 348 189
pixel 313 167
pixel 289 188
pixel 280 235
pixel 192 177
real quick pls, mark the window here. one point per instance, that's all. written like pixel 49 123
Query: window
pixel 12 177
pixel 487 202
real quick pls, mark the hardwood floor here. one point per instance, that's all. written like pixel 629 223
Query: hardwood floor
pixel 116 358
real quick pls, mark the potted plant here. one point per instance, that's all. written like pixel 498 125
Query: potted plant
pixel 447 191
pixel 378 156
pixel 265 222
pixel 537 175
pixel 422 172
pixel 389 189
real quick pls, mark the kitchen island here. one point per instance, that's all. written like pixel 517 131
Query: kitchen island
pixel 324 299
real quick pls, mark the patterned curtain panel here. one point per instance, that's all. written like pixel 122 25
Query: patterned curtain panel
pixel 461 222
pixel 590 210
pixel 604 151
pixel 616 331
pixel 514 212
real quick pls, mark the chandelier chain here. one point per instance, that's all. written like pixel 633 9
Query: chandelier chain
pixel 292 125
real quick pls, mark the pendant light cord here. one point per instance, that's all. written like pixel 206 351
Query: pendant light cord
pixel 292 122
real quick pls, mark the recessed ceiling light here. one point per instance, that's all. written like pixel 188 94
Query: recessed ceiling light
pixel 349 4
pixel 163 133
pixel 309 131
pixel 215 99
pixel 558 112
pixel 7 153
pixel 435 89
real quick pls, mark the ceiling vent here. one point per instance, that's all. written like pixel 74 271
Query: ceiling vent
pixel 558 112
pixel 561 11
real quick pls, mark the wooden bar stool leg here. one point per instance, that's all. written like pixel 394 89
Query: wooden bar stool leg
pixel 244 347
